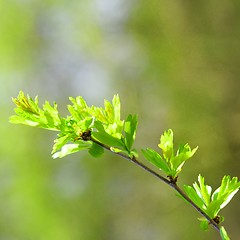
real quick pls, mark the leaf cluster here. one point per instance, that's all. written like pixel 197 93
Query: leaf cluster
pixel 170 163
pixel 211 203
pixel 101 124
pixel 29 113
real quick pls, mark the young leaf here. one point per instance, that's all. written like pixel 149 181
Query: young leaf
pixel 87 123
pixel 79 105
pixel 26 103
pixel 155 158
pixel 71 148
pixel 166 144
pixel 223 234
pixel 52 117
pixel 194 196
pixel 109 117
pixel 108 139
pixel 74 113
pixel 60 142
pixel 205 190
pixel 117 150
pixel 23 120
pixel 184 153
pixel 109 111
pixel 130 127
pixel 204 224
pixel 96 150
pixel 116 108
pixel 102 136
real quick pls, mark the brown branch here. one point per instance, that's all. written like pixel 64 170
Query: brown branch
pixel 172 184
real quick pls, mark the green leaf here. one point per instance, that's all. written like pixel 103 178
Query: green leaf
pixel 109 117
pixel 60 142
pixel 108 139
pixel 184 153
pixel 26 103
pixel 109 111
pixel 110 114
pixel 71 148
pixel 105 137
pixel 116 108
pixel 50 117
pixel 21 120
pixel 204 224
pixel 117 150
pixel 78 103
pixel 96 150
pixel 223 195
pixel 193 195
pixel 166 144
pixel 130 127
pixel 79 109
pixel 153 157
pixel 223 234
pixel 86 123
pixel 205 190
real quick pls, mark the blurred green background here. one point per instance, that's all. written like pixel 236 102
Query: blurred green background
pixel 174 63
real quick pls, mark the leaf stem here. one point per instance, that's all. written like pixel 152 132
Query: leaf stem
pixel 165 180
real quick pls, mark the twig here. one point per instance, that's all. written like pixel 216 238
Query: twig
pixel 172 184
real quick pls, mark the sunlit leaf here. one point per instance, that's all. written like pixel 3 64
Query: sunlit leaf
pixel 204 224
pixel 166 144
pixel 96 150
pixel 71 148
pixel 60 142
pixel 102 136
pixel 184 153
pixel 155 158
pixel 205 190
pixel 26 103
pixel 194 196
pixel 20 120
pixel 108 139
pixel 109 112
pixel 130 127
pixel 223 234
pixel 116 108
